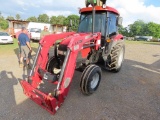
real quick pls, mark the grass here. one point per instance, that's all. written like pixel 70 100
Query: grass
pixel 13 48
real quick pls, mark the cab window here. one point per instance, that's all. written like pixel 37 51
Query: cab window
pixel 112 24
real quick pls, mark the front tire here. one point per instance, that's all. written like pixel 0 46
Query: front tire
pixel 90 79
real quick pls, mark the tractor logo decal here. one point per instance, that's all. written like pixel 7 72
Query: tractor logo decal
pixel 78 42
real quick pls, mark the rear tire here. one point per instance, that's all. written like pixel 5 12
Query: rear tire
pixel 116 58
pixel 90 79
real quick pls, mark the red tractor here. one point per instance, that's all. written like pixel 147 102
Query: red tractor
pixel 97 40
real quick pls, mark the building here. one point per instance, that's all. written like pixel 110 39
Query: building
pixel 59 28
pixel 16 25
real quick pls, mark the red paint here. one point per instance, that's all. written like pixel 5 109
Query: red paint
pixel 84 52
pixel 117 37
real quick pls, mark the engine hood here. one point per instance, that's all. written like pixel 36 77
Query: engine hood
pixel 81 36
pixel 66 38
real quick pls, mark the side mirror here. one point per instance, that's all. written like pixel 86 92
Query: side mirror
pixel 119 21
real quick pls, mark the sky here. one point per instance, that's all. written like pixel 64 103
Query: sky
pixel 130 10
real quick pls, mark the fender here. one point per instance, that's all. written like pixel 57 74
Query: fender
pixel 117 37
pixel 114 40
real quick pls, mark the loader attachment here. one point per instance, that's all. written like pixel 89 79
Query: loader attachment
pixel 50 78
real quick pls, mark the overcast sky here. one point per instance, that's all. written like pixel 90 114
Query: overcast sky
pixel 130 10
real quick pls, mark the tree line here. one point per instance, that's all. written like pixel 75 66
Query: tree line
pixel 140 28
pixel 43 18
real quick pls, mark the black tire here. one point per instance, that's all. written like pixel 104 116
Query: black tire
pixel 82 77
pixel 90 79
pixel 52 63
pixel 116 58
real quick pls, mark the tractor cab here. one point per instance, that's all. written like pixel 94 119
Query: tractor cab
pixel 105 20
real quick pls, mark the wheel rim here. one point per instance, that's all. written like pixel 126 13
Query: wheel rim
pixel 120 59
pixel 95 80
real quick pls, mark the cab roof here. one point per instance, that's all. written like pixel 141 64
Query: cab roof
pixel 99 8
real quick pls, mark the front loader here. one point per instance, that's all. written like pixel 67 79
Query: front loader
pixel 97 40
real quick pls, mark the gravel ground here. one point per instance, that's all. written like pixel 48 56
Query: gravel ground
pixel 131 94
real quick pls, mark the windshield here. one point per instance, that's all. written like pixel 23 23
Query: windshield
pixel 35 30
pixel 3 34
pixel 86 23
